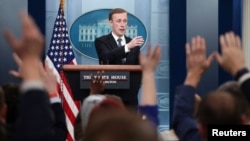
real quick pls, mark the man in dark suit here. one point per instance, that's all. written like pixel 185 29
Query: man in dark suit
pixel 118 49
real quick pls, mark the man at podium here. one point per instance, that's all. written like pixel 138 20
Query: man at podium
pixel 118 49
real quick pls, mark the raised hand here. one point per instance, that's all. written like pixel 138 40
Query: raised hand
pixel 231 58
pixel 97 84
pixel 150 61
pixel 28 48
pixel 196 61
pixel 31 42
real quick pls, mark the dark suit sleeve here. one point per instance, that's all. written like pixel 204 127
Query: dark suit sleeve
pixel 60 128
pixel 184 123
pixel 133 56
pixel 108 52
pixel 34 121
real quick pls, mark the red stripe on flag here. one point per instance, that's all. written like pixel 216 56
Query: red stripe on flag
pixel 69 138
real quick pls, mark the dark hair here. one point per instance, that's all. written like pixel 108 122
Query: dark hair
pixel 215 109
pixel 122 126
pixel 232 87
pixel 115 11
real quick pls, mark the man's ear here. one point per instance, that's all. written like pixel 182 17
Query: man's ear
pixel 203 131
pixel 111 22
pixel 245 120
pixel 3 113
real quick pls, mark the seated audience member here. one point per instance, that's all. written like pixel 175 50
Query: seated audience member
pixel 97 110
pixel 232 60
pixel 50 84
pixel 97 86
pixel 11 93
pixel 233 87
pixel 120 126
pixel 35 119
pixel 184 123
pixel 3 108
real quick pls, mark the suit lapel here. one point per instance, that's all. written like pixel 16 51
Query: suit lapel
pixel 127 39
pixel 112 41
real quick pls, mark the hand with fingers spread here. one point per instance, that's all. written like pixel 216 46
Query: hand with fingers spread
pixel 31 42
pixel 231 58
pixel 28 48
pixel 150 61
pixel 196 61
pixel 27 69
pixel 97 83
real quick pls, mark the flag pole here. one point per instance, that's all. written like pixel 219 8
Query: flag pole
pixel 61 55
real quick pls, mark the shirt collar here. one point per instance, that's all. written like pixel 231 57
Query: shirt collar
pixel 116 37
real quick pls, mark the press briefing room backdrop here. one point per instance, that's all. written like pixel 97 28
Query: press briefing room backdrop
pixel 169 23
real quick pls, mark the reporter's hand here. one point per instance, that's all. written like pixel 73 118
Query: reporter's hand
pixel 231 58
pixel 31 42
pixel 196 61
pixel 28 48
pixel 97 85
pixel 150 61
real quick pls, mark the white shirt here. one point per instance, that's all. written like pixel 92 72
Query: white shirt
pixel 123 42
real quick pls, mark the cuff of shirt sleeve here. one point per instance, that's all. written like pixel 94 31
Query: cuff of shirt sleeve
pixel 55 100
pixel 243 78
pixel 29 85
pixel 126 48
pixel 242 75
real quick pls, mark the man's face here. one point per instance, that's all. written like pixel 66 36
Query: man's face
pixel 119 23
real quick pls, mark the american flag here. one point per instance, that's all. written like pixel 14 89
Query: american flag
pixel 60 53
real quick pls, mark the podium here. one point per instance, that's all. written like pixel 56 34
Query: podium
pixel 76 73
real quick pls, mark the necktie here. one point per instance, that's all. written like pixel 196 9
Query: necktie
pixel 119 40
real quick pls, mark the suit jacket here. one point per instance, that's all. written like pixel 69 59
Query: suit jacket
pixel 34 121
pixel 109 53
pixel 60 127
pixel 38 120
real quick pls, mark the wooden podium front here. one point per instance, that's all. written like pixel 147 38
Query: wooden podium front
pixel 73 74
